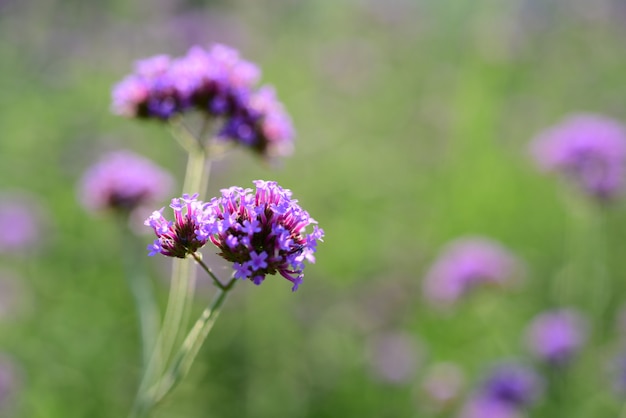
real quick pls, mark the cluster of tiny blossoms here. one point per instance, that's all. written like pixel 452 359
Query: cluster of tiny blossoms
pixel 216 82
pixel 261 233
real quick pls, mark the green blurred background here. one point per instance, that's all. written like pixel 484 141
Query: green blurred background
pixel 413 119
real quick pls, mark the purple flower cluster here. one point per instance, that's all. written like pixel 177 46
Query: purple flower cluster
pixel 216 82
pixel 508 389
pixel 557 336
pixel 261 233
pixel 184 235
pixel 514 384
pixel 123 181
pixel 589 149
pixel 465 264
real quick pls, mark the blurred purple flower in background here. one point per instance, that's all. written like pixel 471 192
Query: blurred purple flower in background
pixel 442 384
pixel 20 222
pixel 466 263
pixel 508 389
pixel 588 149
pixel 216 82
pixel 123 181
pixel 9 381
pixel 488 408
pixel 557 336
pixel 512 383
pixel 617 373
pixel 260 233
pixel 394 357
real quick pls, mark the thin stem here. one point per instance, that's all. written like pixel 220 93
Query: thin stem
pixel 206 268
pixel 183 360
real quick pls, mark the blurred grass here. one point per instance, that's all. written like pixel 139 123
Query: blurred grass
pixel 412 120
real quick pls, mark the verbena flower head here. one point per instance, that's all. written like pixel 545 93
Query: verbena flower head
pixel 261 232
pixel 557 336
pixel 182 236
pixel 465 264
pixel 588 149
pixel 122 181
pixel 216 82
pixel 512 383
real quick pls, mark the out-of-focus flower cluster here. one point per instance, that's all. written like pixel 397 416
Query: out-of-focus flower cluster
pixel 123 181
pixel 465 264
pixel 588 149
pixel 555 337
pixel 506 392
pixel 261 233
pixel 216 82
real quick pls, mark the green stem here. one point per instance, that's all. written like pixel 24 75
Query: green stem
pixel 206 268
pixel 183 279
pixel 183 360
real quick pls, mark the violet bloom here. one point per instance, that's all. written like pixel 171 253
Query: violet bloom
pixel 20 223
pixel 261 233
pixel 216 82
pixel 557 336
pixel 465 264
pixel 588 149
pixel 184 235
pixel 123 181
pixel 513 384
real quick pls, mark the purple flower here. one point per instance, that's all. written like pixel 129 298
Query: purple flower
pixel 588 149
pixel 216 82
pixel 512 383
pixel 183 236
pixel 465 264
pixel 488 408
pixel 261 233
pixel 557 336
pixel 123 181
pixel 270 231
pixel 20 223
